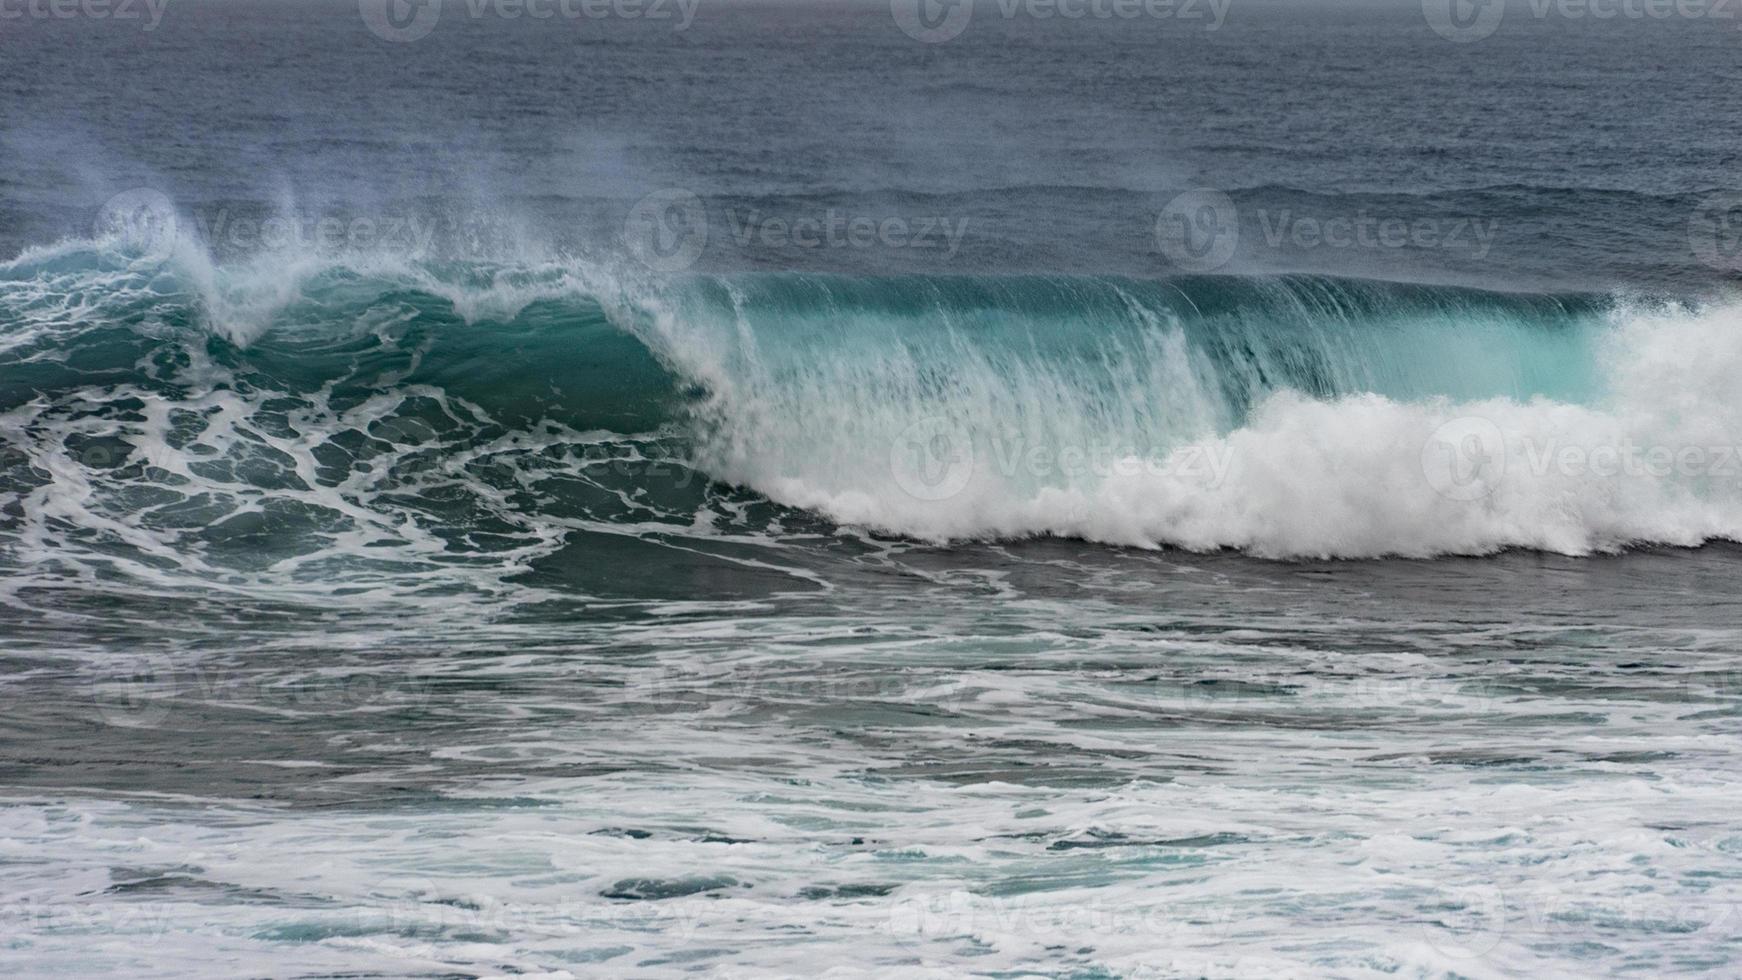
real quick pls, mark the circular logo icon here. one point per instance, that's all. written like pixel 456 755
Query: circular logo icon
pixel 1465 923
pixel 932 21
pixel 674 689
pixel 1199 231
pixel 1463 21
pixel 667 230
pixel 932 459
pixel 136 692
pixel 1464 459
pixel 400 21
pixel 142 219
pixel 414 904
pixel 1715 232
pixel 933 916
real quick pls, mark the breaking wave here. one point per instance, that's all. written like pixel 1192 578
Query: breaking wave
pixel 345 422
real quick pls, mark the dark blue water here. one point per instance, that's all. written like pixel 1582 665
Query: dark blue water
pixel 1588 143
pixel 1236 489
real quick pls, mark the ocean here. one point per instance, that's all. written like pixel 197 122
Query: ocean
pixel 1066 488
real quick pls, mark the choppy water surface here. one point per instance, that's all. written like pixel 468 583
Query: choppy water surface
pixel 452 582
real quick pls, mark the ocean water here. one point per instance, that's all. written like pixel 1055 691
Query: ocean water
pixel 736 489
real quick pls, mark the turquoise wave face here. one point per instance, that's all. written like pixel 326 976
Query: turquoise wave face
pixel 385 416
pixel 1109 347
pixel 538 343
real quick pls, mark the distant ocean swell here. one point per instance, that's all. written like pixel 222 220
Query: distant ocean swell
pixel 167 415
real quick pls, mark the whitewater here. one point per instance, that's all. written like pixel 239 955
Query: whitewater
pixel 763 493
pixel 1285 417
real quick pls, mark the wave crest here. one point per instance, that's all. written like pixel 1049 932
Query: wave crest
pixel 1287 417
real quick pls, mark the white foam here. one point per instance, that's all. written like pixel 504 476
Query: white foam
pixel 949 437
pixel 1006 449
pixel 68 285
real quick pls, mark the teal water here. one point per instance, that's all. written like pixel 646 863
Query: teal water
pixel 464 513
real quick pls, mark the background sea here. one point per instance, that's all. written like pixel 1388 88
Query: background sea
pixel 640 488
